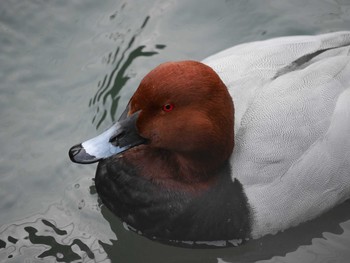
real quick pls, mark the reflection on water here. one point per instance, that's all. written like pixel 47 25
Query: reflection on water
pixel 114 81
pixel 42 238
pixel 327 231
pixel 63 253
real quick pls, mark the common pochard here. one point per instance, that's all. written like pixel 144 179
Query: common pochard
pixel 250 141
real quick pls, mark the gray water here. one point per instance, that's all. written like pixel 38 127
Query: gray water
pixel 68 68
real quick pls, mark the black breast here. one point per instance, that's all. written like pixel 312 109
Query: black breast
pixel 221 213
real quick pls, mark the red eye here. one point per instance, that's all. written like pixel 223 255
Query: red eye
pixel 168 107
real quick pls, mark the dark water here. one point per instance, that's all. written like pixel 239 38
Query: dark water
pixel 68 68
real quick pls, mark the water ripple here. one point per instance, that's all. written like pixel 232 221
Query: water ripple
pixel 113 82
pixel 41 237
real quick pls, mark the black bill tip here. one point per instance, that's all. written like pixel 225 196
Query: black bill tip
pixel 77 154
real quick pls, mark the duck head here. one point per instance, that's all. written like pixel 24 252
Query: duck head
pixel 180 107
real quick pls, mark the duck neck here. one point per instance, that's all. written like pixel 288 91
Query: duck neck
pixel 197 167
pixel 192 173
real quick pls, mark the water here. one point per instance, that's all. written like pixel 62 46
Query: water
pixel 67 70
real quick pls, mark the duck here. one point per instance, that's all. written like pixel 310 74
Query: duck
pixel 250 141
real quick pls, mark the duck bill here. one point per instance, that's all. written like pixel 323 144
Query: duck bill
pixel 122 136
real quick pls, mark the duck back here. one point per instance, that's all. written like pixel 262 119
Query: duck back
pixel 292 125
